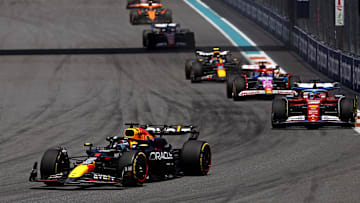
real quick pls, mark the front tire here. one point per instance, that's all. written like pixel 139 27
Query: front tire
pixel 54 161
pixel 239 84
pixel 139 168
pixel 348 107
pixel 196 72
pixel 196 158
pixel 278 113
pixel 188 64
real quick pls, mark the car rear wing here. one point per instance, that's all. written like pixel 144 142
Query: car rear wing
pixel 316 85
pixel 168 130
pixel 165 25
pixel 202 53
pixel 258 67
pixel 144 5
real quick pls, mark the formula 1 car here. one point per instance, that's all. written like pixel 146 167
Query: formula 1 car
pixel 149 13
pixel 215 66
pixel 133 3
pixel 142 154
pixel 263 79
pixel 168 35
pixel 314 107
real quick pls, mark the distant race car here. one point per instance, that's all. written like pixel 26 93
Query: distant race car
pixel 132 3
pixel 215 65
pixel 168 35
pixel 142 154
pixel 260 79
pixel 149 13
pixel 314 106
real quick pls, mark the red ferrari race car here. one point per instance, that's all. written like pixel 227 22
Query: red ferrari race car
pixel 314 106
pixel 255 80
pixel 149 13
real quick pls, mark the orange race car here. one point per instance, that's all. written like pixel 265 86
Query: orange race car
pixel 149 13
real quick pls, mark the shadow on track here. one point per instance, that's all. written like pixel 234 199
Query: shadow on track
pixel 134 50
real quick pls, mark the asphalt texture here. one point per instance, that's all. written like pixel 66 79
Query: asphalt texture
pixel 52 100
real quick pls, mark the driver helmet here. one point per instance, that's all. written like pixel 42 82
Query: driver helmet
pixel 312 95
pixel 269 73
pixel 123 144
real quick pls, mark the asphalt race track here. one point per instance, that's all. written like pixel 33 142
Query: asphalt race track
pixel 52 100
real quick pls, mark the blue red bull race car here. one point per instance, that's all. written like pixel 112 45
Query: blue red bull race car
pixel 142 154
pixel 211 66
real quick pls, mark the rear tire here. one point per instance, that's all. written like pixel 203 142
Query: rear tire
pixel 150 42
pixel 278 113
pixel 239 84
pixel 53 161
pixel 138 162
pixel 229 86
pixel 196 72
pixel 293 79
pixel 145 37
pixel 196 158
pixel 133 15
pixel 168 16
pixel 188 64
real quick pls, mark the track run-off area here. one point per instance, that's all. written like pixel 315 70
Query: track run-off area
pixel 52 100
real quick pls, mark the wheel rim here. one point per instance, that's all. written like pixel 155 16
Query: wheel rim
pixel 205 158
pixel 140 168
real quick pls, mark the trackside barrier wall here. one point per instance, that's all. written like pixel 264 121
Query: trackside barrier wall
pixel 336 65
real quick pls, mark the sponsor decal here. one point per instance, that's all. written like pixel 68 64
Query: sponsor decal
pixel 160 156
pixel 103 177
pixel 313 101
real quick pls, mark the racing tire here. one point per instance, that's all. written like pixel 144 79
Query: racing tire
pixel 229 86
pixel 190 40
pixel 293 79
pixel 145 37
pixel 196 158
pixel 133 17
pixel 239 84
pixel 278 113
pixel 52 162
pixel 136 160
pixel 188 64
pixel 168 16
pixel 150 42
pixel 196 72
pixel 348 107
